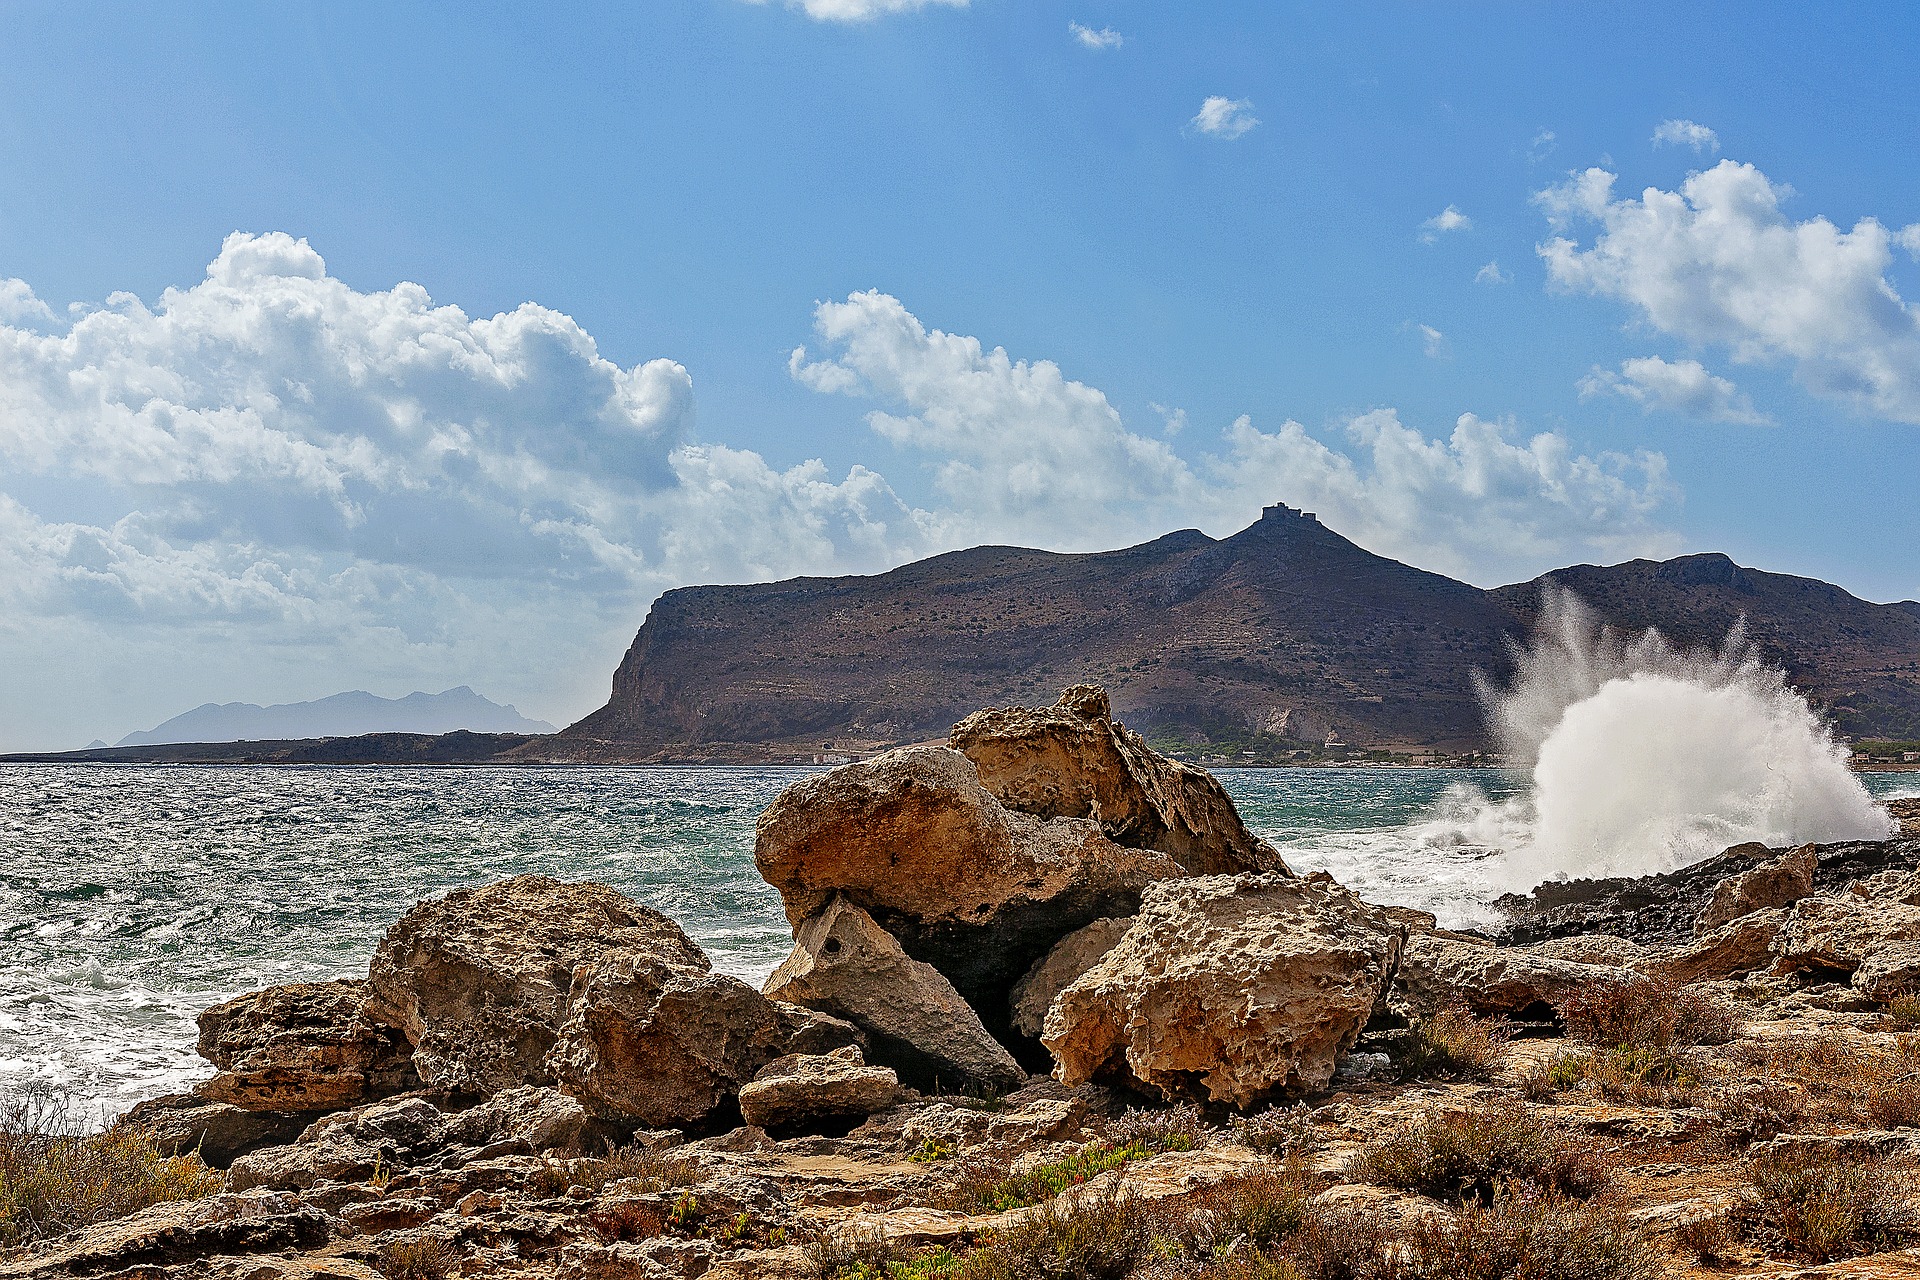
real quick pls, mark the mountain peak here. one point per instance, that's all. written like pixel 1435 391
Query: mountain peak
pixel 340 715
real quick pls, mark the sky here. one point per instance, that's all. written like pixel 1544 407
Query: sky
pixel 404 347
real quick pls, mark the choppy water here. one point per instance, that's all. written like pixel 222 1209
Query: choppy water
pixel 133 897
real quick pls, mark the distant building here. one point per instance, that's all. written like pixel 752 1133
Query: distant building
pixel 831 757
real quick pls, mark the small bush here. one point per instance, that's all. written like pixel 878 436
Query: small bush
pixel 1903 1012
pixel 1169 1129
pixel 55 1178
pixel 651 1170
pixel 995 1191
pixel 1831 1079
pixel 1256 1211
pixel 1452 1044
pixel 1530 1233
pixel 1468 1155
pixel 1821 1205
pixel 853 1256
pixel 1709 1240
pixel 1100 1238
pixel 1642 1012
pixel 1644 1077
pixel 627 1220
pixel 427 1258
pixel 1281 1131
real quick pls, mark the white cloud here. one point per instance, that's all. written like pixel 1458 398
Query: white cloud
pixel 1542 146
pixel 1716 263
pixel 1492 274
pixel 1448 219
pixel 1104 38
pixel 1225 117
pixel 1434 342
pixel 1021 452
pixel 18 305
pixel 861 10
pixel 1683 386
pixel 1685 133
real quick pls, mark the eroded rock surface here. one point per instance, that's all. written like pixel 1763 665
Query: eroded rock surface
pixel 219 1132
pixel 479 980
pixel 1054 972
pixel 308 1046
pixel 811 1093
pixel 1872 941
pixel 1779 883
pixel 846 965
pixel 1071 760
pixel 1228 988
pixel 1436 972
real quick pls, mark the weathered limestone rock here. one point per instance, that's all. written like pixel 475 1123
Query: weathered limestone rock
pixel 1739 946
pixel 976 890
pixel 543 1118
pixel 806 1093
pixel 1230 988
pixel 1779 883
pixel 347 1146
pixel 663 1045
pixel 1436 972
pixel 1598 948
pixel 1871 939
pixel 1071 760
pixel 1906 815
pixel 179 1233
pixel 478 980
pixel 845 964
pixel 305 1047
pixel 1054 972
pixel 219 1132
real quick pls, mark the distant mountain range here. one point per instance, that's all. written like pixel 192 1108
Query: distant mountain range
pixel 1283 632
pixel 340 716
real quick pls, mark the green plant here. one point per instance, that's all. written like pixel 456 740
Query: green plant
pixel 1820 1204
pixel 1469 1154
pixel 990 1192
pixel 1451 1044
pixel 1646 1077
pixel 55 1177
pixel 852 1255
pixel 425 1258
pixel 930 1151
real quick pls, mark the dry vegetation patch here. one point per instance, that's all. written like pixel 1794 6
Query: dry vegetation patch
pixel 1469 1153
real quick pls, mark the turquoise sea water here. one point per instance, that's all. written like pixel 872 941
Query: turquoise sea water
pixel 133 897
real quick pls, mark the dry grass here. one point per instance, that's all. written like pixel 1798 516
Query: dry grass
pixel 1820 1205
pixel 1531 1234
pixel 1648 1013
pixel 1280 1131
pixel 1099 1238
pixel 1469 1154
pixel 1452 1044
pixel 1643 1077
pixel 54 1177
pixel 427 1258
pixel 1821 1080
pixel 649 1170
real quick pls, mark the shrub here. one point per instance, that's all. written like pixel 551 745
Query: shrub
pixel 1645 1077
pixel 1451 1044
pixel 55 1178
pixel 1167 1129
pixel 1467 1155
pixel 1710 1239
pixel 1903 1012
pixel 627 1220
pixel 1822 1204
pixel 995 1191
pixel 1099 1238
pixel 1256 1211
pixel 1530 1233
pixel 1830 1078
pixel 651 1170
pixel 427 1258
pixel 852 1256
pixel 1642 1012
pixel 1283 1131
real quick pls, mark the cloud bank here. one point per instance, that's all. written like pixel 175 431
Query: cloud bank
pixel 271 484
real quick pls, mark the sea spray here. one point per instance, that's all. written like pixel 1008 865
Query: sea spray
pixel 1645 757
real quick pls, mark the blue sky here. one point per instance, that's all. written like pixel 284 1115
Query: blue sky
pixel 292 476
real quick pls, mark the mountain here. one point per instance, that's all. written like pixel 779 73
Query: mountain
pixel 340 716
pixel 1285 632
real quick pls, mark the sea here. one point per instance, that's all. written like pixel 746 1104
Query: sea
pixel 132 897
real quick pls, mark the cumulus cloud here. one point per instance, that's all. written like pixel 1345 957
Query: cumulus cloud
pixel 1717 263
pixel 861 10
pixel 1225 117
pixel 1448 219
pixel 1685 133
pixel 18 305
pixel 1104 38
pixel 1019 450
pixel 1683 386
pixel 1492 274
pixel 1434 342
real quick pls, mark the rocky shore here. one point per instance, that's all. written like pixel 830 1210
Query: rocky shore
pixel 1053 1010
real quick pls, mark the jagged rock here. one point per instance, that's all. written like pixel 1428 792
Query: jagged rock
pixel 398 1127
pixel 544 1119
pixel 846 965
pixel 1052 973
pixel 479 980
pixel 1071 760
pixel 1740 946
pixel 658 1044
pixel 1888 886
pixel 1230 988
pixel 973 888
pixel 178 1233
pixel 1779 883
pixel 817 1092
pixel 218 1132
pixel 1906 813
pixel 1874 941
pixel 305 1047
pixel 1598 948
pixel 1437 972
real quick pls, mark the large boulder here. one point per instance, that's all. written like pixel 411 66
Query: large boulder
pixel 817 1093
pixel 305 1047
pixel 846 965
pixel 1437 972
pixel 1071 760
pixel 973 888
pixel 218 1132
pixel 1740 946
pixel 665 1045
pixel 1060 968
pixel 1228 988
pixel 1873 941
pixel 479 980
pixel 1779 883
